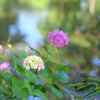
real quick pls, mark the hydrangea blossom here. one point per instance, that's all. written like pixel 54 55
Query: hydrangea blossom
pixel 33 62
pixel 1 48
pixel 59 38
pixel 5 66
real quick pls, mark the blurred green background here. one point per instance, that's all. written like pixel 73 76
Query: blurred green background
pixel 32 20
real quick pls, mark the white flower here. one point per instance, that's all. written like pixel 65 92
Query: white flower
pixel 33 62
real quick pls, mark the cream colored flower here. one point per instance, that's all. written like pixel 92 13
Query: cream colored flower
pixel 33 62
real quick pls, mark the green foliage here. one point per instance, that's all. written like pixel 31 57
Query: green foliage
pixel 41 88
pixel 60 51
pixel 39 94
pixel 94 79
pixel 93 88
pixel 34 78
pixel 18 65
pixel 47 51
pixel 61 67
pixel 88 84
pixel 57 92
pixel 83 31
pixel 61 76
pixel 66 90
pixel 47 71
pixel 19 88
pixel 64 15
pixel 24 54
pixel 23 86
pixel 6 92
pixel 35 50
pixel 5 77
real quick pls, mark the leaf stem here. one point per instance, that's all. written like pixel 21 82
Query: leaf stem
pixel 87 94
pixel 42 78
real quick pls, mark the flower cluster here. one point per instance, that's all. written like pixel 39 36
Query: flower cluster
pixel 1 48
pixel 5 66
pixel 59 38
pixel 33 62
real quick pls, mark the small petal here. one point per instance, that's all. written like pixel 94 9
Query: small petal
pixel 39 68
pixel 43 67
pixel 27 68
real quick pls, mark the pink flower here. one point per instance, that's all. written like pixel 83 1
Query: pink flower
pixel 59 38
pixel 5 66
pixel 1 48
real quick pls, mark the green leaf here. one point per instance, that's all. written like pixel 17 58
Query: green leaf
pixel 50 48
pixel 46 42
pixel 34 50
pixel 48 60
pixel 57 92
pixel 66 90
pixel 39 94
pixel 6 92
pixel 61 67
pixel 47 71
pixel 19 88
pixel 97 87
pixel 61 76
pixel 94 79
pixel 24 54
pixel 90 94
pixel 84 86
pixel 60 50
pixel 47 51
pixel 6 77
pixel 77 84
pixel 88 90
pixel 56 86
pixel 40 87
pixel 24 99
pixel 34 79
pixel 18 65
pixel 33 76
pixel 32 83
pixel 27 84
pixel 94 94
pixel 47 79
